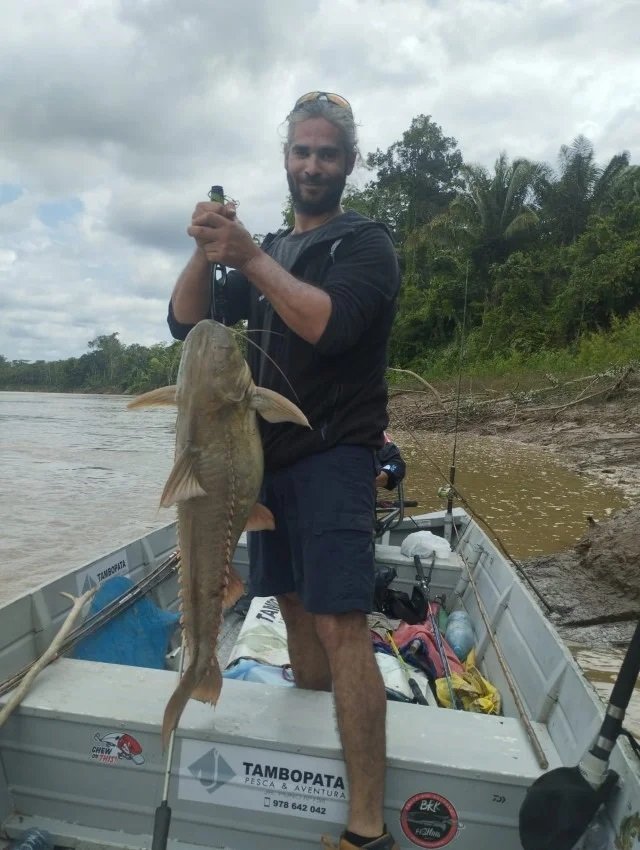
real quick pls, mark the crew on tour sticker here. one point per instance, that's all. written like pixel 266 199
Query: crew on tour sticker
pixel 429 820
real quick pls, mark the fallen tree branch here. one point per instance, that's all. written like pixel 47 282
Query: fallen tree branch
pixel 433 390
pixel 582 398
pixel 48 655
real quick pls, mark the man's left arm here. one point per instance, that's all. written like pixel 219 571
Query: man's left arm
pixel 393 466
pixel 363 281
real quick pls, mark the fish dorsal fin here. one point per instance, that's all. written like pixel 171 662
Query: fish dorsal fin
pixel 163 395
pixel 182 483
pixel 276 408
pixel 260 519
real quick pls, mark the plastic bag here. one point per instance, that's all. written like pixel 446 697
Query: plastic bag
pixel 248 670
pixel 424 543
pixel 474 692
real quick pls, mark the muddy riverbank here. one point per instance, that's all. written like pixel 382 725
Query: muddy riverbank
pixel 592 589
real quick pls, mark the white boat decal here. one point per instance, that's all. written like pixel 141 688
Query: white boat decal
pixel 112 565
pixel 259 779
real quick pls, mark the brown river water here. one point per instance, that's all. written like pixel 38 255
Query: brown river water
pixel 82 475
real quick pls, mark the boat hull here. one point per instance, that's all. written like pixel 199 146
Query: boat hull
pixel 82 756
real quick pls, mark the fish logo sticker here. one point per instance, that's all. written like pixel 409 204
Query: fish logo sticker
pixel 212 771
pixel 115 747
pixel 429 820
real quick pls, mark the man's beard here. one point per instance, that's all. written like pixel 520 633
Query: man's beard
pixel 329 201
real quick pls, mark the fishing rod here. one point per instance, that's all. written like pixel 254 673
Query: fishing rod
pixel 91 625
pixel 485 522
pixel 418 696
pixel 218 271
pixel 448 519
pixel 425 587
pixel 560 805
pixel 511 682
pixel 162 817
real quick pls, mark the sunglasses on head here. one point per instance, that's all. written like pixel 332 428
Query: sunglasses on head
pixel 327 96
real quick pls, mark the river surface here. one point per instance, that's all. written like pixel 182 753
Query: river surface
pixel 82 475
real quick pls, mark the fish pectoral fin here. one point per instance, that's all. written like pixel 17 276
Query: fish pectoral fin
pixel 163 395
pixel 234 589
pixel 276 408
pixel 182 483
pixel 260 519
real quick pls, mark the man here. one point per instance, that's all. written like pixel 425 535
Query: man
pixel 320 300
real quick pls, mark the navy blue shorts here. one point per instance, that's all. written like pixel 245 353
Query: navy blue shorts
pixel 322 546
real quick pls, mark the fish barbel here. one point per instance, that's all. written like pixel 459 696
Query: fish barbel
pixel 214 482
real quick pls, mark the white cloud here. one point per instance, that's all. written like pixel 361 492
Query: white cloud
pixel 135 109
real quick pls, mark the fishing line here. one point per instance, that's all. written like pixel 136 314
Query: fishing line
pixel 91 625
pixel 483 521
pixel 461 357
pixel 264 353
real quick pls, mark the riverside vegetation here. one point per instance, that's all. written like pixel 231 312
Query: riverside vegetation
pixel 541 266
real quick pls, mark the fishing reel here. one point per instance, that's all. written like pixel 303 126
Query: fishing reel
pixel 446 492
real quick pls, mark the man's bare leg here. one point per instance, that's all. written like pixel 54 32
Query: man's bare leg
pixel 306 653
pixel 361 711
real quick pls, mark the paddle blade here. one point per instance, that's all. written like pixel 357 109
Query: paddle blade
pixel 558 809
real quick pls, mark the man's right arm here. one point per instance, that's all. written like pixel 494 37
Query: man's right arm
pixel 191 295
pixel 191 298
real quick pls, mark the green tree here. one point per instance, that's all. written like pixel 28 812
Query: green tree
pixel 416 177
pixel 605 273
pixel 493 212
pixel 580 189
pixel 108 356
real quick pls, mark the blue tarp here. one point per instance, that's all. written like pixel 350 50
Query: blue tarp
pixel 138 636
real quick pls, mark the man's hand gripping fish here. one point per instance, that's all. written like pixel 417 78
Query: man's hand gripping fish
pixel 214 482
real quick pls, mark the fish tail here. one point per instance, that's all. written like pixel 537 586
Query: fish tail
pixel 177 702
pixel 192 685
pixel 209 685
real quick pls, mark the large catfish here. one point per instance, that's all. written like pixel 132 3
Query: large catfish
pixel 214 482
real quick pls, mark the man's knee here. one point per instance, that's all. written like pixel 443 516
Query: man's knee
pixel 337 631
pixel 290 603
pixel 293 612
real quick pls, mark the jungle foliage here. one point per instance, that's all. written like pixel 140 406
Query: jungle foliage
pixel 531 264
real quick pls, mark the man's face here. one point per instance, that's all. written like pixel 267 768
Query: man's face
pixel 317 167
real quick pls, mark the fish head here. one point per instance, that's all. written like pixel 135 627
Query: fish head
pixel 213 365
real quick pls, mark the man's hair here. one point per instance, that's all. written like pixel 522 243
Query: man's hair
pixel 337 115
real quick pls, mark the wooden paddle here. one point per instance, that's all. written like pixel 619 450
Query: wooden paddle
pixel 561 804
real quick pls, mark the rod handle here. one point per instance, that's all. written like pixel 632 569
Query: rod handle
pixel 619 699
pixel 417 693
pixel 626 680
pixel 161 824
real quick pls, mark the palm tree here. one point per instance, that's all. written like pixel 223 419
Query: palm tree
pixel 493 212
pixel 580 189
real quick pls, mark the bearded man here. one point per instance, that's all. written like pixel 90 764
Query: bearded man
pixel 319 299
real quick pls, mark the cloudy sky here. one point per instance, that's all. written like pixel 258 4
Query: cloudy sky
pixel 116 116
